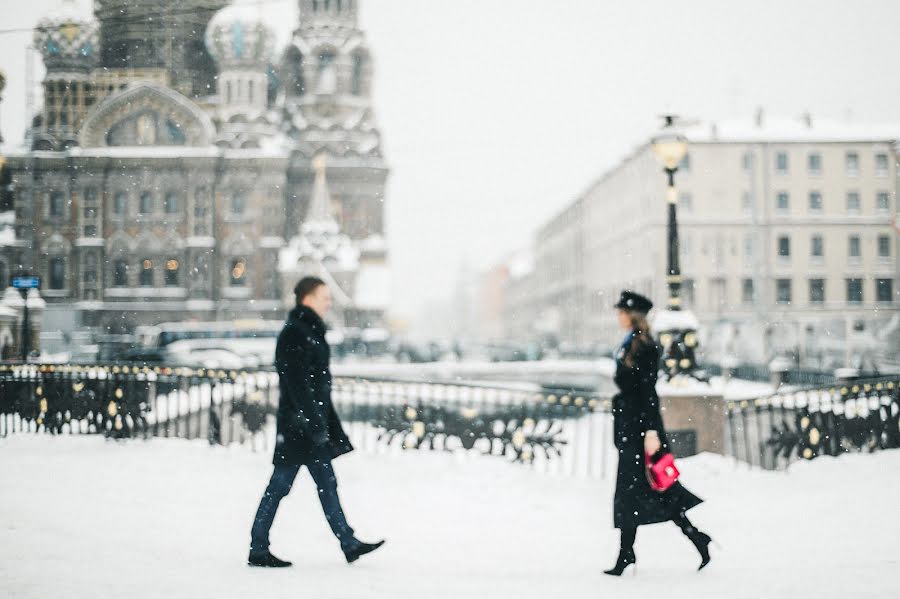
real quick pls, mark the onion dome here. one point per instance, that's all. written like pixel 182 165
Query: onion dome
pixel 67 39
pixel 237 38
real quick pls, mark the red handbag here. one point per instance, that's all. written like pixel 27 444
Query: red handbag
pixel 662 473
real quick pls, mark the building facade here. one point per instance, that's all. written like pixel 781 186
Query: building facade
pixel 788 242
pixel 172 164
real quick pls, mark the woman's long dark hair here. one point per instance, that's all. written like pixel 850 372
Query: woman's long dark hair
pixel 642 337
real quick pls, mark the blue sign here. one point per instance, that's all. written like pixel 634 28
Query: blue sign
pixel 26 282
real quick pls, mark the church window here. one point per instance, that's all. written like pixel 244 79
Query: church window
pixel 171 203
pixel 120 272
pixel 356 85
pixel 238 272
pixel 172 267
pixel 146 273
pixel 120 201
pixel 57 204
pixel 238 202
pixel 146 205
pixel 57 273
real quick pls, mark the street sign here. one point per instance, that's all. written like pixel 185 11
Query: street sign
pixel 26 282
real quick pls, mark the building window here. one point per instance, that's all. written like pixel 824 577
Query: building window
pixel 782 201
pixel 688 292
pixel 855 291
pixel 685 164
pixel 120 272
pixel 884 246
pixel 854 249
pixel 852 163
pixel 883 201
pixel 748 293
pixel 817 249
pixel 746 202
pixel 816 291
pixel 781 163
pixel 57 204
pixel 881 164
pixel 57 273
pixel 250 91
pixel 783 291
pixel 120 202
pixel 90 270
pixel 171 203
pixel 884 288
pixel 228 92
pixel 815 201
pixel 749 246
pixel 200 210
pixel 238 202
pixel 853 203
pixel 356 81
pixel 747 162
pixel 146 203
pixel 146 276
pixel 685 202
pixel 172 267
pixel 784 247
pixel 814 163
pixel 238 272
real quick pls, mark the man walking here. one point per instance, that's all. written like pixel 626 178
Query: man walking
pixel 309 431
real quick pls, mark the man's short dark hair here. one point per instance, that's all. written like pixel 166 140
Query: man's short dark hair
pixel 307 286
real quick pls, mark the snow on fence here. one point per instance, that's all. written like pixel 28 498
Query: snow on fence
pixel 773 431
pixel 555 431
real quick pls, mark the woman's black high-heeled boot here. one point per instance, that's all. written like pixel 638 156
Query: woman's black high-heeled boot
pixel 626 558
pixel 701 540
pixel 626 553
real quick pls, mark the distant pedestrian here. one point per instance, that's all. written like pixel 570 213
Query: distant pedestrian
pixel 639 431
pixel 309 431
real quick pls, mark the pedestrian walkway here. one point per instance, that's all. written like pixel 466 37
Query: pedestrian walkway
pixel 85 517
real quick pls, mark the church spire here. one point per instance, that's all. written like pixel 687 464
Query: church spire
pixel 319 217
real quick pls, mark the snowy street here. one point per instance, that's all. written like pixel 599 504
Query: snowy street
pixel 84 517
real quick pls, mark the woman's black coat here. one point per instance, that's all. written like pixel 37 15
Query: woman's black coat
pixel 308 426
pixel 636 411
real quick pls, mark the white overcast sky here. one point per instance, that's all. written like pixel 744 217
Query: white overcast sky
pixel 496 113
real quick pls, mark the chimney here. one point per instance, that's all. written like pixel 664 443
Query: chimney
pixel 760 116
pixel 807 119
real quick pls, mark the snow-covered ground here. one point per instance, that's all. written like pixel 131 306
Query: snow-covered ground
pixel 84 517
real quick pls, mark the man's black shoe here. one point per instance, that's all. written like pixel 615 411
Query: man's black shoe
pixel 360 550
pixel 264 559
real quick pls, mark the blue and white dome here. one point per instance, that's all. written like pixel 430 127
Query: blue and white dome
pixel 67 39
pixel 237 38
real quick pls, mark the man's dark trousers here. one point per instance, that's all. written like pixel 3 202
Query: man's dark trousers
pixel 280 485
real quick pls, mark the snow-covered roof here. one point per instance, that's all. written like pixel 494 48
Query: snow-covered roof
pixel 787 130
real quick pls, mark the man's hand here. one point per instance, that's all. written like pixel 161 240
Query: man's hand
pixel 651 442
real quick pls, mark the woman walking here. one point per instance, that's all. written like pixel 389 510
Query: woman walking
pixel 639 431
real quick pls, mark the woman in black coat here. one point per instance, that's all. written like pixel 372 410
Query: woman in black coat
pixel 639 430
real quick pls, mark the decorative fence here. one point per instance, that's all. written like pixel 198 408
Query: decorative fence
pixel 552 430
pixel 771 432
pixel 559 431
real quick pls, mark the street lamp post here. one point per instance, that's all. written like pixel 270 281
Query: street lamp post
pixel 676 327
pixel 670 148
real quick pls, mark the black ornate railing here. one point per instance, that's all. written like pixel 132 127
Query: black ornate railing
pixel 773 431
pixel 559 430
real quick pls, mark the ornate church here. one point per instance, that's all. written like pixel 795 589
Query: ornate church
pixel 184 168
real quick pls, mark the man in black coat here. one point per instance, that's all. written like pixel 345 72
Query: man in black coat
pixel 309 430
